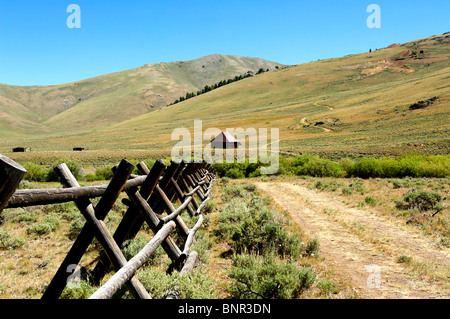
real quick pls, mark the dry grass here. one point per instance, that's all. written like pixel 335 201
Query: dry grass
pixel 220 262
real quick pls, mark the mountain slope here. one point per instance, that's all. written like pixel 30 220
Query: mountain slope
pixel 111 98
pixel 357 104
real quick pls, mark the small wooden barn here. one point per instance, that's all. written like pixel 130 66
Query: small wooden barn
pixel 225 140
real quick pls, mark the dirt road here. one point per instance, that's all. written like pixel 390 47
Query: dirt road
pixel 363 246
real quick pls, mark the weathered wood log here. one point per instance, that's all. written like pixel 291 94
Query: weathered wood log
pixel 101 232
pixel 129 221
pixel 130 268
pixel 178 211
pixel 190 263
pixel 93 227
pixel 181 226
pixel 191 235
pixel 202 206
pixel 191 193
pixel 154 200
pixel 83 240
pixel 34 197
pixel 193 183
pixel 184 185
pixel 11 175
pixel 115 187
pixel 181 196
pixel 155 223
pixel 167 195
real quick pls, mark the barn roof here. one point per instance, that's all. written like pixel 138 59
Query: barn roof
pixel 225 137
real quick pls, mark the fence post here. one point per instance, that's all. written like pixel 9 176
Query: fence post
pixel 87 233
pixel 99 228
pixel 130 268
pixel 11 174
pixel 129 220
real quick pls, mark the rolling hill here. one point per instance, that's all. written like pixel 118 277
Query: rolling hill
pixel 356 104
pixel 107 99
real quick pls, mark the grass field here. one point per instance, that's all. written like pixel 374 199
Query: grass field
pixel 28 265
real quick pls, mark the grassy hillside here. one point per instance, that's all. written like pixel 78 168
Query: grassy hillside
pixel 357 104
pixel 111 98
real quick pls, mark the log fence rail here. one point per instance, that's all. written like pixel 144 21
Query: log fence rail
pixel 150 196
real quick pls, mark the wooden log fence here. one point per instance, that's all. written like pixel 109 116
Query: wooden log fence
pixel 150 199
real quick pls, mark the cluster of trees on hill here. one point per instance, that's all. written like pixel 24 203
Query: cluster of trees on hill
pixel 208 88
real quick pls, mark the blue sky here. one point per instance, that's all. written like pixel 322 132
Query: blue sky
pixel 37 47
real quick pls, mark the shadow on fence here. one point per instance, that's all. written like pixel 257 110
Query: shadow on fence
pixel 149 197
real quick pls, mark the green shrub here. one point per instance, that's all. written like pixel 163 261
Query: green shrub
pixel 74 166
pixel 104 173
pixel 26 218
pixel 264 277
pixel 421 200
pixel 365 168
pixel 18 215
pixel 45 226
pixel 250 227
pixel 309 164
pixel 238 170
pixel 92 178
pixel 313 248
pixel 319 167
pixel 52 220
pixel 35 172
pixel 255 173
pixel 202 246
pixel 232 191
pixel 209 207
pixel 8 242
pixel 328 287
pixel 75 227
pixel 398 183
pixel 83 290
pixel 406 165
pixel 261 233
pixel 235 212
pixel 67 211
pixel 250 187
pixel 132 247
pixel 195 285
pixel 39 229
pixel 438 166
pixel 347 191
pixel 24 184
pixel 370 200
pixel 327 185
pixel 404 259
pixel 346 164
pixel 358 186
pixel 235 173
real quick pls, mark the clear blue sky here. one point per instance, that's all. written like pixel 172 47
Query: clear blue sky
pixel 37 47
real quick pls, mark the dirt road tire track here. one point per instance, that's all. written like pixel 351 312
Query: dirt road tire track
pixel 352 240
